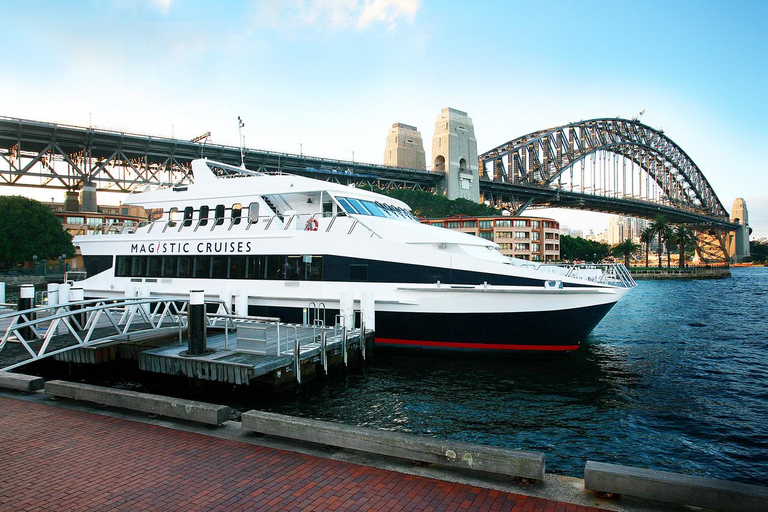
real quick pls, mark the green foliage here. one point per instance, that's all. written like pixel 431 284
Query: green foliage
pixel 625 249
pixel 28 228
pixel 758 251
pixel 430 206
pixel 576 248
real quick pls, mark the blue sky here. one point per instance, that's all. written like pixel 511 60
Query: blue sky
pixel 333 75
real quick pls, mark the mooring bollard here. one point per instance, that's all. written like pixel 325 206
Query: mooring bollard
pixel 76 295
pixel 27 301
pixel 196 345
pixel 53 294
pixel 2 293
pixel 65 293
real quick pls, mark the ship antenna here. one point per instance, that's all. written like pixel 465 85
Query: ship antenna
pixel 240 126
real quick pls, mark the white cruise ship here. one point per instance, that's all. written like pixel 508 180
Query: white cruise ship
pixel 287 241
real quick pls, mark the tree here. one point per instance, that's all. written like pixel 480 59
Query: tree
pixel 625 249
pixel 659 226
pixel 431 206
pixel 28 228
pixel 576 248
pixel 758 251
pixel 647 237
pixel 683 237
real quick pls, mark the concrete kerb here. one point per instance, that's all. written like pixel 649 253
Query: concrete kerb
pixel 178 408
pixel 676 488
pixel 21 382
pixel 456 454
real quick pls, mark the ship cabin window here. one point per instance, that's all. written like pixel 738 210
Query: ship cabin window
pixel 172 215
pixel 202 266
pixel 328 208
pixel 219 214
pixel 169 266
pixel 204 215
pixel 188 212
pixel 373 208
pixel 237 212
pixel 253 213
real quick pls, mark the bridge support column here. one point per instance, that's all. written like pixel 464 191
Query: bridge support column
pixel 71 202
pixel 88 197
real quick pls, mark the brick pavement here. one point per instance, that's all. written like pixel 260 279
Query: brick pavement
pixel 58 459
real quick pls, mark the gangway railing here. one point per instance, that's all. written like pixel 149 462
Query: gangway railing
pixel 38 331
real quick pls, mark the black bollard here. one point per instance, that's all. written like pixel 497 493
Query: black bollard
pixel 197 332
pixel 27 301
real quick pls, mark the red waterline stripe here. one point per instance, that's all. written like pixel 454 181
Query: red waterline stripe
pixel 493 346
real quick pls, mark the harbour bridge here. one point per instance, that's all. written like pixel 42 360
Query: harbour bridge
pixel 606 165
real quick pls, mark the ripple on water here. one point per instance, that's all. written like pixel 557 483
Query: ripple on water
pixel 672 379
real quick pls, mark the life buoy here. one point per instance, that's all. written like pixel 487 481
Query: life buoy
pixel 311 225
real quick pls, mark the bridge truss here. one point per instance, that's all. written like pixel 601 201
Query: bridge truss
pixel 611 165
pixel 48 155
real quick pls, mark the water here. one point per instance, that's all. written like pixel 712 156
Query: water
pixel 674 378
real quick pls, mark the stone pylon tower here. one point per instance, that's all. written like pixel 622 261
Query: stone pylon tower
pixel 738 242
pixel 454 152
pixel 405 147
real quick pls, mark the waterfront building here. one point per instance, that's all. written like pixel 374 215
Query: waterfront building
pixel 405 147
pixel 528 238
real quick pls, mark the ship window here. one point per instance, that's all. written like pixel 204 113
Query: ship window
pixel 218 267
pixel 274 267
pixel 153 266
pixel 138 266
pixel 184 266
pixel 169 266
pixel 123 266
pixel 202 267
pixel 237 212
pixel 188 211
pixel 373 208
pixel 313 268
pixel 292 266
pixel 346 205
pixel 236 267
pixel 256 267
pixel 253 213
pixel 219 214
pixel 358 273
pixel 327 209
pixel 172 215
pixel 358 206
pixel 204 215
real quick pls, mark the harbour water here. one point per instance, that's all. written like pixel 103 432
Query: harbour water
pixel 674 378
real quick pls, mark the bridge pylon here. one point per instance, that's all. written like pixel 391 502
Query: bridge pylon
pixel 454 152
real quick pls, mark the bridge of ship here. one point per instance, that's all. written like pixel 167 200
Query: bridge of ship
pixel 608 165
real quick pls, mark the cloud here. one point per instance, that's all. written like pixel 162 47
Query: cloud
pixel 163 6
pixel 387 11
pixel 338 14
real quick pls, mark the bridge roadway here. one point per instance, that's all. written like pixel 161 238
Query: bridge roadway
pixel 121 162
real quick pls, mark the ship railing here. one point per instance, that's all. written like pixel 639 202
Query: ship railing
pixel 615 274
pixel 295 221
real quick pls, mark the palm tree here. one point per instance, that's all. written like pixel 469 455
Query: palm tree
pixel 659 226
pixel 625 249
pixel 668 243
pixel 647 237
pixel 683 237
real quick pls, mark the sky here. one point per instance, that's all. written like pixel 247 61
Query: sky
pixel 329 77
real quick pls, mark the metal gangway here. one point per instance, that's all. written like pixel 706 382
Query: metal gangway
pixel 43 331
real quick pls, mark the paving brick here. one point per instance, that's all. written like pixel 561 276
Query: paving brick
pixel 90 462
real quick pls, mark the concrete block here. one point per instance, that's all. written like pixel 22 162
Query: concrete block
pixel 689 490
pixel 395 444
pixel 179 408
pixel 21 382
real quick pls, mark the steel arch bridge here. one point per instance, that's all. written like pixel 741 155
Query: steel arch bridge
pixel 610 165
